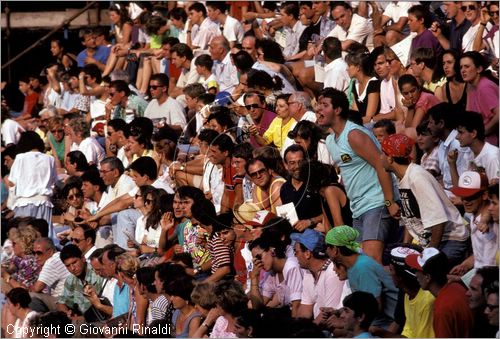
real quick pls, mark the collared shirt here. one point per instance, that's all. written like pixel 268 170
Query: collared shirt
pixel 208 30
pixel 457 32
pixel 73 289
pixel 226 74
pixel 360 30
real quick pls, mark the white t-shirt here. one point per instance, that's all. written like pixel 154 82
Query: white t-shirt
pixel 208 30
pixel 32 173
pixel 387 96
pixel 233 30
pixel 470 36
pixel 213 183
pixel 397 10
pixel 94 153
pixel 325 292
pixel 336 75
pixel 484 245
pixel 188 76
pixel 425 204
pixel 54 274
pixel 488 158
pixel 11 132
pixel 152 235
pixel 361 30
pixel 171 110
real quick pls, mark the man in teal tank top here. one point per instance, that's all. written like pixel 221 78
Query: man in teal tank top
pixel 368 186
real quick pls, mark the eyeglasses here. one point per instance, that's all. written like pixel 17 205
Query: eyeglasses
pixel 155 87
pixel 38 253
pixel 257 173
pixel 249 107
pixel 54 131
pixel 137 196
pixel 148 201
pixel 389 61
pixel 105 171
pixel 75 240
pixel 470 8
pixel 74 196
pixel 493 13
pixel 491 307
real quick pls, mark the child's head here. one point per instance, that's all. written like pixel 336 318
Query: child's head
pixel 192 92
pixel 425 140
pixel 419 17
pixel 24 84
pixel 203 64
pixel 383 128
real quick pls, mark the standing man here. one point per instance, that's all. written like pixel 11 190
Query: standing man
pixel 429 216
pixel 368 186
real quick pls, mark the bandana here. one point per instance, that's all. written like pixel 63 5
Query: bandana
pixel 397 145
pixel 343 236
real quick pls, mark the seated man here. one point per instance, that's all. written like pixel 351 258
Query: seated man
pixel 73 301
pixel 267 187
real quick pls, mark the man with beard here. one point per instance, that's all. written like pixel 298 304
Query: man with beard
pixel 294 190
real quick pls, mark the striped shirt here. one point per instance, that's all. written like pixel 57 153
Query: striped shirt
pixel 220 253
pixel 159 308
pixel 54 274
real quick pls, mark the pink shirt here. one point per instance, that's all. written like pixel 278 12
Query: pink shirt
pixel 265 120
pixel 426 101
pixel 483 99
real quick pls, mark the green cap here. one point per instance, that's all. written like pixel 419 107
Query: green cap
pixel 343 236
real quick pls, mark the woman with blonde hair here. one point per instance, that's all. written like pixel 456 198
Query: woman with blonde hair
pixel 127 266
pixel 23 270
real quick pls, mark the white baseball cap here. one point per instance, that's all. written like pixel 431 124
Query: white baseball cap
pixel 470 183
pixel 417 261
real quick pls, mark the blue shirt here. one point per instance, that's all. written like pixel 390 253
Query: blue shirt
pixel 360 178
pixel 121 300
pixel 367 275
pixel 101 54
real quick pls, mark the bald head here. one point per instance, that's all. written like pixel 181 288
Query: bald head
pixel 218 48
pixel 248 45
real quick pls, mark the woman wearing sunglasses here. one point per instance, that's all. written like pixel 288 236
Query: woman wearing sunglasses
pixel 148 229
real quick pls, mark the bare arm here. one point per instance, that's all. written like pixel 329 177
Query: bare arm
pixel 371 108
pixel 219 274
pixel 492 125
pixel 117 205
pixel 437 232
pixel 334 205
pixel 305 311
pixel 366 149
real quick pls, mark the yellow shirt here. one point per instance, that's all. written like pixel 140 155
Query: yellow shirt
pixel 277 132
pixel 146 153
pixel 419 315
pixel 431 86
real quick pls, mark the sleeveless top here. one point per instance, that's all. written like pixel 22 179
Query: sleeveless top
pixel 460 104
pixel 359 177
pixel 185 329
pixel 345 211
pixel 258 192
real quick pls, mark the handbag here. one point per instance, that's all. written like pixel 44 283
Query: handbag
pixel 95 315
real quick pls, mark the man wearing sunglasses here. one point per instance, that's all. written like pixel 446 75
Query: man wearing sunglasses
pixel 267 187
pixel 162 105
pixel 52 276
pixel 260 118
pixel 84 237
pixel 457 26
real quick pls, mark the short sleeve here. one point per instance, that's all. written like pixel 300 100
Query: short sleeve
pixel 294 282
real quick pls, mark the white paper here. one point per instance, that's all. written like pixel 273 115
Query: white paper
pixel 288 211
pixel 402 49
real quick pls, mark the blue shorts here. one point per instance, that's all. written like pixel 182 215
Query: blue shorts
pixel 376 224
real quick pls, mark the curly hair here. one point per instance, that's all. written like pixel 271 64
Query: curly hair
pixel 24 236
pixel 127 264
pixel 81 127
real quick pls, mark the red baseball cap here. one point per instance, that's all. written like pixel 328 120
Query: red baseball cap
pixel 418 261
pixel 470 183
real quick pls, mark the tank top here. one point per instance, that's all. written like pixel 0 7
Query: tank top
pixel 345 211
pixel 460 104
pixel 360 178
pixel 258 192
pixel 185 328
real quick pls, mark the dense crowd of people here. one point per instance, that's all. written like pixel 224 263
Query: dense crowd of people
pixel 258 169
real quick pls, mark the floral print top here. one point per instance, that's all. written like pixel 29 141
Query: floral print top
pixel 26 270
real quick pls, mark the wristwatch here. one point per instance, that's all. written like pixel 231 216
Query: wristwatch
pixel 182 168
pixel 388 203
